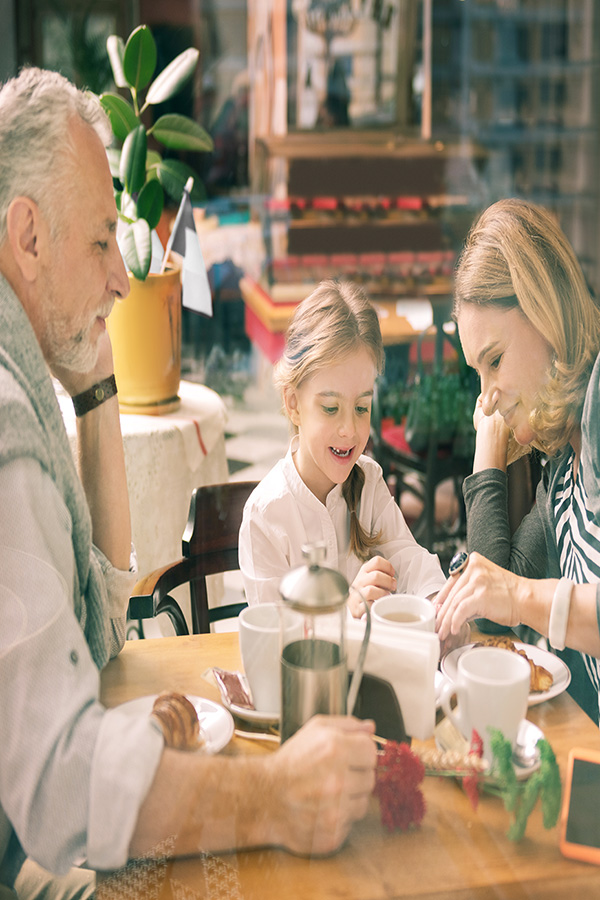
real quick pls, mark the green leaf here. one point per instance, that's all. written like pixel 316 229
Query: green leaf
pixel 115 47
pixel 181 133
pixel 139 59
pixel 173 77
pixel 136 245
pixel 153 158
pixel 132 171
pixel 173 175
pixel 150 203
pixel 121 114
pixel 127 207
pixel 114 161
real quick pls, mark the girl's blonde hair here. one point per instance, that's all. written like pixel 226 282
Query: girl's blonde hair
pixel 335 321
pixel 516 256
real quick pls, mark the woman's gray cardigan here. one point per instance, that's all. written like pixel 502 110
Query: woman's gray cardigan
pixel 532 551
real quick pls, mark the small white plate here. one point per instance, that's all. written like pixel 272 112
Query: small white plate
pixel 250 715
pixel 215 722
pixel 447 737
pixel 557 668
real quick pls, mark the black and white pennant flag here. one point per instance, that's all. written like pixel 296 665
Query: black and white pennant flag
pixel 184 240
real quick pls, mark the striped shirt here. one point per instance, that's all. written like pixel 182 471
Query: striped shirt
pixel 578 542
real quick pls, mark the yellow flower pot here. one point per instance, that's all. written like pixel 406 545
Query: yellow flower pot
pixel 145 332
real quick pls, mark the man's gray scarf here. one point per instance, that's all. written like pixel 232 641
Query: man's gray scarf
pixel 31 425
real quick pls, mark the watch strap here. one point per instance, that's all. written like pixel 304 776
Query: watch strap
pixel 94 396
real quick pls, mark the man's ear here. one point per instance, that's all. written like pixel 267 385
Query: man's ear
pixel 26 232
pixel 290 400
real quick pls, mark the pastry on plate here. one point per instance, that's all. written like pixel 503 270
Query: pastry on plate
pixel 178 720
pixel 541 678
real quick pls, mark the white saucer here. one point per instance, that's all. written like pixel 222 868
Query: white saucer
pixel 250 715
pixel 215 722
pixel 447 737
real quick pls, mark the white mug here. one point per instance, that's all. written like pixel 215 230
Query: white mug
pixel 492 689
pixel 259 646
pixel 405 610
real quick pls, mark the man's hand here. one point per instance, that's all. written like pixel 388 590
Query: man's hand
pixel 325 775
pixel 76 382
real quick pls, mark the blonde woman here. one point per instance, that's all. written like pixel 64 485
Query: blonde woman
pixel 325 488
pixel 530 328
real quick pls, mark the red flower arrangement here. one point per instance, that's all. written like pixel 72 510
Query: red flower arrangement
pixel 397 786
pixel 401 770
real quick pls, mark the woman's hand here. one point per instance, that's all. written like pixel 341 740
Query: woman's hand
pixel 482 589
pixel 491 444
pixel 375 579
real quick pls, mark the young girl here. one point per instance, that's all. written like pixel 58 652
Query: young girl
pixel 325 489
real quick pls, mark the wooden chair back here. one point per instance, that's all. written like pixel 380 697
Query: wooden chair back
pixel 209 546
pixel 210 542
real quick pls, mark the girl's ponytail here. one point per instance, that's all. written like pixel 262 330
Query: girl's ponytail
pixel 361 543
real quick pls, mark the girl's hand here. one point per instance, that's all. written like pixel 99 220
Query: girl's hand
pixel 375 579
pixel 482 589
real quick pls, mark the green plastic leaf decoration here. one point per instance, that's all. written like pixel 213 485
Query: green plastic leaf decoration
pixel 132 170
pixel 527 801
pixel 520 798
pixel 503 768
pixel 181 133
pixel 150 202
pixel 173 77
pixel 552 790
pixel 121 114
pixel 139 59
pixel 173 175
pixel 115 47
pixel 136 245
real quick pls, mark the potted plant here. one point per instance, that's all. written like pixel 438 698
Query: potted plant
pixel 146 328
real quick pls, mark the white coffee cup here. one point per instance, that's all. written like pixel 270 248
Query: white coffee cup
pixel 492 690
pixel 259 646
pixel 405 610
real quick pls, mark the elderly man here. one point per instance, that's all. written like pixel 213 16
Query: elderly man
pixel 79 783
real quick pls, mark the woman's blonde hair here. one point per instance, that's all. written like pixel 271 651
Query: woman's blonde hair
pixel 335 321
pixel 516 256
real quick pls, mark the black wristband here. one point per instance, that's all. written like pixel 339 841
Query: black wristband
pixel 94 396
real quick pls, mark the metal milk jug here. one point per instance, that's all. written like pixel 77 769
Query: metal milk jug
pixel 314 670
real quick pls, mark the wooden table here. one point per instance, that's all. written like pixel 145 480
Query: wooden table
pixel 457 854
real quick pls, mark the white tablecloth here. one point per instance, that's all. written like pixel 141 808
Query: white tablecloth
pixel 166 457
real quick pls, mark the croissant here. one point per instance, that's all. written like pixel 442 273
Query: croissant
pixel 541 678
pixel 178 720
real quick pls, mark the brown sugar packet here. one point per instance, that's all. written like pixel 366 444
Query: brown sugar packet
pixel 232 687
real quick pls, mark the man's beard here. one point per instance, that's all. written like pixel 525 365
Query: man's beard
pixel 78 352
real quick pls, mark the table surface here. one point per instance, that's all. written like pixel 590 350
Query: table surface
pixel 457 854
